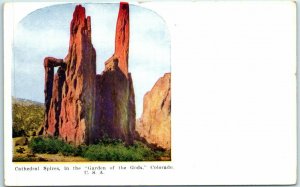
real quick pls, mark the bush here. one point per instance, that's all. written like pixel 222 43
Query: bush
pixel 20 150
pixel 80 150
pixel 51 146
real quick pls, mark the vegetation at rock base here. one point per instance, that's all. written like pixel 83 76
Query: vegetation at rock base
pixel 116 150
pixel 105 150
pixel 51 146
pixel 27 117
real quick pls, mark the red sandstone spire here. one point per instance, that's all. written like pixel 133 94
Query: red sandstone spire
pixel 122 37
pixel 115 103
pixel 80 27
pixel 70 93
pixel 78 19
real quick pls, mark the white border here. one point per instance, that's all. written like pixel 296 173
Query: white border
pixel 268 168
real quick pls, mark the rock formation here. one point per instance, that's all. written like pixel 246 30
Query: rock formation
pixel 53 93
pixel 115 104
pixel 78 100
pixel 70 94
pixel 122 38
pixel 80 106
pixel 155 124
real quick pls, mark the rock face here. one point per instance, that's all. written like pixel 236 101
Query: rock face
pixel 155 124
pixel 122 38
pixel 70 94
pixel 115 103
pixel 53 93
pixel 80 106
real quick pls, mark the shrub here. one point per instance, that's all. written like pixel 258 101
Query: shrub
pixel 20 150
pixel 80 150
pixel 67 150
pixel 51 146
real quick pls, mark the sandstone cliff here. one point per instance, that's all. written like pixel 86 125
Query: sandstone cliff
pixel 115 103
pixel 154 126
pixel 69 94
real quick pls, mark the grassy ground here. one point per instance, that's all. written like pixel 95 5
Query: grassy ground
pixel 27 157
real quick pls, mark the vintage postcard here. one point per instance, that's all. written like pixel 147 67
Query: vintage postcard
pixel 89 87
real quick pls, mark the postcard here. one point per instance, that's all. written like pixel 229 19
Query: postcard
pixel 150 93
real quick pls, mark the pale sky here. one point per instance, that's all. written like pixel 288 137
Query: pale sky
pixel 45 32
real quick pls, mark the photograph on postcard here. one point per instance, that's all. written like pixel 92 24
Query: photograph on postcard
pixel 91 82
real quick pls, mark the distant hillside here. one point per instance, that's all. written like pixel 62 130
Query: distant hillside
pixel 27 115
pixel 25 102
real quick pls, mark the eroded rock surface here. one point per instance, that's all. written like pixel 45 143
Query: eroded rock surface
pixel 70 94
pixel 154 126
pixel 53 85
pixel 115 103
pixel 78 93
pixel 122 38
pixel 82 107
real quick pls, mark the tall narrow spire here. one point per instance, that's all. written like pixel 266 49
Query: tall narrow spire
pixel 115 103
pixel 122 37
pixel 70 93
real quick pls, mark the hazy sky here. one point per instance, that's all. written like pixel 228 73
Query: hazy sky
pixel 45 32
